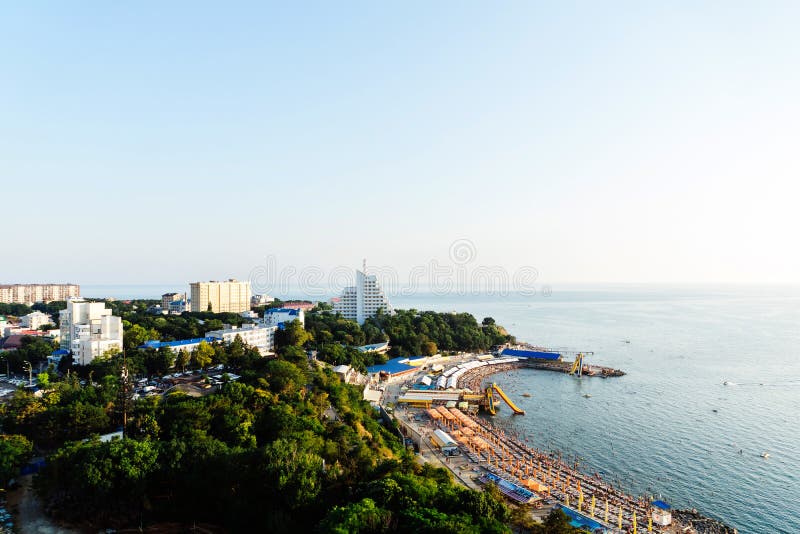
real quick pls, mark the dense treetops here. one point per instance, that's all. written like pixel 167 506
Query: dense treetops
pixel 286 448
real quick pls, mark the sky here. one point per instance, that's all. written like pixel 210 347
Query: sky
pixel 613 142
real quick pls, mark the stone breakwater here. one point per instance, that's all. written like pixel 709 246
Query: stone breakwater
pixel 700 523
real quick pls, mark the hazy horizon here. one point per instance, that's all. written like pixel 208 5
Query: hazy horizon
pixel 594 143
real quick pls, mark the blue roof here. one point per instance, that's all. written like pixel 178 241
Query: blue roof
pixel 391 367
pixel 539 355
pixel 59 352
pixel 178 343
pixel 290 311
pixel 661 504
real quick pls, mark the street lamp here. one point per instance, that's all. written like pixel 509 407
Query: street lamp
pixel 27 366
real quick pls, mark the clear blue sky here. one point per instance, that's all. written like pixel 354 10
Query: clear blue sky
pixel 154 142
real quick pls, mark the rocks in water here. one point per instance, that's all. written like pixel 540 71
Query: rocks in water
pixel 702 524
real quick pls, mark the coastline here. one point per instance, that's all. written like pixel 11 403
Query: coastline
pixel 513 459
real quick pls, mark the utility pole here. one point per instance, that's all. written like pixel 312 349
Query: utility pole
pixel 124 392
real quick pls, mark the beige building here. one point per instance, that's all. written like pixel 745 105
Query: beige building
pixel 229 296
pixel 31 293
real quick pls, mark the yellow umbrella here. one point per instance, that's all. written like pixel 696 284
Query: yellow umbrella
pixel 619 519
pixel 649 523
pixel 634 522
pixel 593 503
pixel 566 500
pixel 606 511
pixel 580 499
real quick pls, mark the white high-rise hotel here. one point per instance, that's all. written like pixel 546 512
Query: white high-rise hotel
pixel 363 300
pixel 88 330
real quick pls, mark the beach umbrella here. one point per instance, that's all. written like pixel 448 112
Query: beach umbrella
pixel 619 519
pixel 634 522
pixel 606 511
pixel 580 499
pixel 566 500
pixel 650 524
pixel 593 503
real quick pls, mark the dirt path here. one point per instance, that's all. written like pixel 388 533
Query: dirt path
pixel 28 514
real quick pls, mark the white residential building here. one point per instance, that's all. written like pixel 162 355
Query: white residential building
pixel 276 316
pixel 228 296
pixel 177 307
pixel 363 300
pixel 88 330
pixel 258 336
pixel 166 298
pixel 34 320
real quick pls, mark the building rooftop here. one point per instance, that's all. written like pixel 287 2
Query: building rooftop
pixel 373 347
pixel 290 311
pixel 520 353
pixel 392 367
pixel 154 344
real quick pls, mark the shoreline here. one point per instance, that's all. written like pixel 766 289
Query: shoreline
pixel 514 460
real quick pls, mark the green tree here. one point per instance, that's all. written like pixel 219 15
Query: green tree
pixel 203 354
pixel 429 348
pixel 182 359
pixel 292 334
pixel 136 335
pixel 43 379
pixel 361 517
pixel 14 452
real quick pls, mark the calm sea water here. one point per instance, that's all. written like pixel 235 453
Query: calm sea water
pixel 669 427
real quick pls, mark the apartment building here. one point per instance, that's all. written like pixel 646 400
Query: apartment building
pixel 228 296
pixel 32 293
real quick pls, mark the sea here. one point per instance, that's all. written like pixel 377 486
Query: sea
pixel 712 385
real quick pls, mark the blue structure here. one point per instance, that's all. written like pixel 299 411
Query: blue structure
pixel 287 311
pixel 535 354
pixel 581 521
pixel 395 366
pixel 177 344
pixel 59 352
pixel 661 505
pixel 513 491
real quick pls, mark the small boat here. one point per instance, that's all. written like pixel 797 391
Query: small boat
pixel 526 394
pixel 765 455
pixel 586 396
